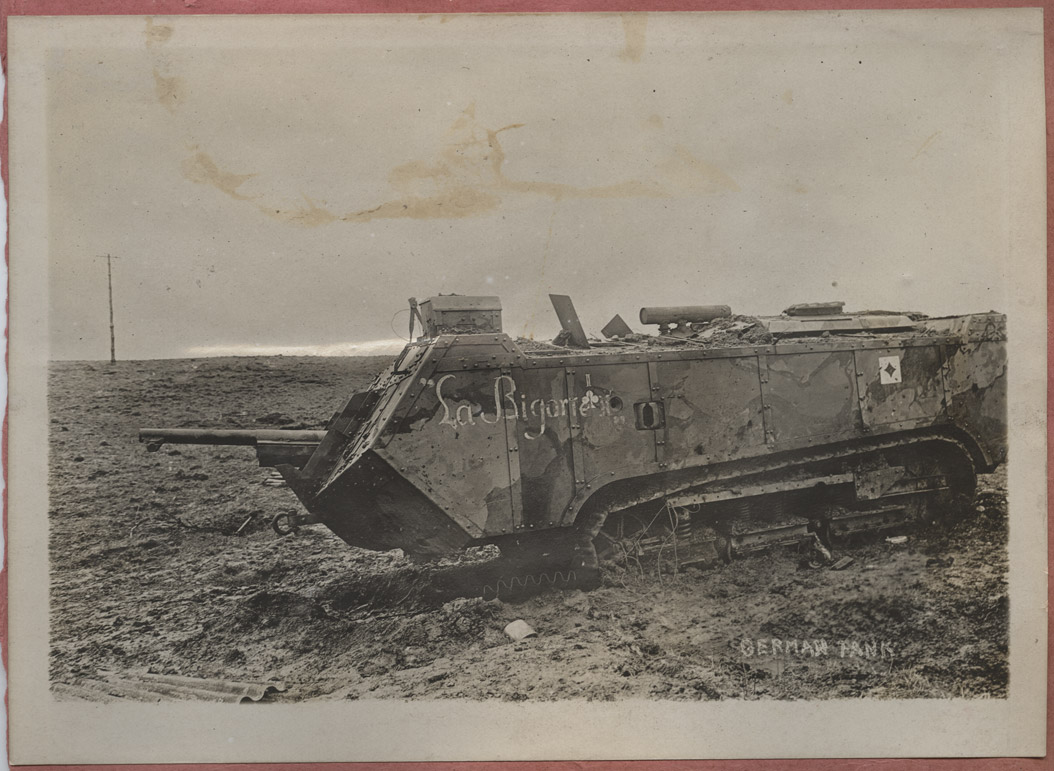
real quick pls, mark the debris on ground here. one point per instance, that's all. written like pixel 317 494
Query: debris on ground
pixel 519 630
pixel 153 687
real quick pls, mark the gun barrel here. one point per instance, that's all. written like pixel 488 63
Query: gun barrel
pixel 677 314
pixel 156 437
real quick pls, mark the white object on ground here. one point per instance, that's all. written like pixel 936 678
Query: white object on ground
pixel 519 630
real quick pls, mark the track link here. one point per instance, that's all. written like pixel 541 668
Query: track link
pixel 817 506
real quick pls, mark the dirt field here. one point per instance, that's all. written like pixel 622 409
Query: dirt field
pixel 149 575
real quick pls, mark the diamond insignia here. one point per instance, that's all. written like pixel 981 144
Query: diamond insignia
pixel 889 369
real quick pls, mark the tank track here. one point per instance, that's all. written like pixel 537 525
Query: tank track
pixel 815 507
pixel 534 564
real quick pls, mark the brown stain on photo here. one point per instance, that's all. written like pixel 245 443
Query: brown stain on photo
pixel 463 181
pixel 926 144
pixel 788 96
pixel 201 169
pixel 156 34
pixel 635 26
pixel 312 215
pixel 453 203
pixel 468 179
pixel 170 91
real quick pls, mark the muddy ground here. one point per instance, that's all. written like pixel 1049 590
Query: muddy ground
pixel 150 574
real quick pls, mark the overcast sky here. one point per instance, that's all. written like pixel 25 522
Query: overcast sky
pixel 282 183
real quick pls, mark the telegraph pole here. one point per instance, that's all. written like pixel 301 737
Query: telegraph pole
pixel 109 288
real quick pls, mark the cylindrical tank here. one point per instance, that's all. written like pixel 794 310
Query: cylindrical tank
pixel 676 313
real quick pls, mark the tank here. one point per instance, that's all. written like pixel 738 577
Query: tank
pixel 717 436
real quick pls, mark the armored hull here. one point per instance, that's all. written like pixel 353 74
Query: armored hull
pixel 836 423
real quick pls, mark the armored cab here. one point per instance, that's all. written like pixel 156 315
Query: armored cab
pixel 720 434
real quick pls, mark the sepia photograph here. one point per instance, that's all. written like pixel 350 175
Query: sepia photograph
pixel 687 366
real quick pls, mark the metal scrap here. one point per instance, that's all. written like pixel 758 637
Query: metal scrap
pixel 519 630
pixel 617 327
pixel 151 687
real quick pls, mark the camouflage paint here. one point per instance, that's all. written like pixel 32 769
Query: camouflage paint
pixel 713 407
pixel 917 397
pixel 809 394
pixel 469 438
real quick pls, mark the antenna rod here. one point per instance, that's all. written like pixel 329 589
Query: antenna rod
pixel 109 286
